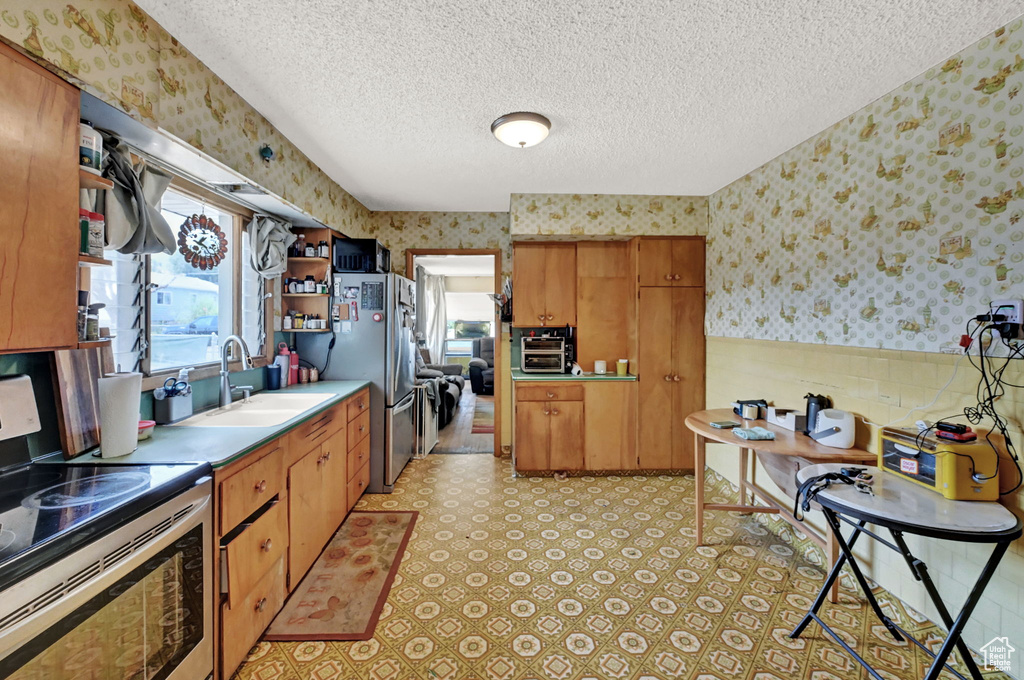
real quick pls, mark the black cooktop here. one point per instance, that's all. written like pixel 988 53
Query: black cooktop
pixel 49 509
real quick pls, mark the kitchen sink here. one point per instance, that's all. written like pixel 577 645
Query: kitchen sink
pixel 262 410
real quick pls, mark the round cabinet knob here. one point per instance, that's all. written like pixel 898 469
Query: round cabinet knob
pixel 327 456
pixel 540 316
pixel 261 486
pixel 266 545
pixel 551 395
pixel 261 604
pixel 320 460
pixel 547 413
pixel 675 378
pixel 550 317
pixel 668 277
pixel 668 378
pixel 676 277
pixel 362 428
pixel 554 412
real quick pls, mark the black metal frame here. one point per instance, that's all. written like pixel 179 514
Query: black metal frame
pixel 834 515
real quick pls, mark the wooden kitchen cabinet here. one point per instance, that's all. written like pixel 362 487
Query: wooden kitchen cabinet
pixel 610 435
pixel 671 385
pixel 311 482
pixel 549 434
pixel 606 302
pixel 39 195
pixel 672 262
pixel 544 284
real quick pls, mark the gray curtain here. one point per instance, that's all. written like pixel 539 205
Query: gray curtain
pixel 132 208
pixel 270 241
pixel 434 314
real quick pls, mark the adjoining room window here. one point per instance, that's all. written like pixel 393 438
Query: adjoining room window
pixel 165 312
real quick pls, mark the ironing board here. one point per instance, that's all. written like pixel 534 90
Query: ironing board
pixel 902 507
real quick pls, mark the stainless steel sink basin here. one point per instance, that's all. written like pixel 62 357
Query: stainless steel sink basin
pixel 263 410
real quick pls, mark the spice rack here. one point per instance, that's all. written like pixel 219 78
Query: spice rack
pixel 319 268
pixel 89 180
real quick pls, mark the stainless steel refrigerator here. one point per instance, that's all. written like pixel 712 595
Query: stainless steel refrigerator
pixel 375 343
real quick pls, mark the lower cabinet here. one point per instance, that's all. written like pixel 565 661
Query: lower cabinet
pixel 568 426
pixel 276 509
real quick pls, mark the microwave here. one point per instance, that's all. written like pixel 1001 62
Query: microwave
pixel 543 355
pixel 366 255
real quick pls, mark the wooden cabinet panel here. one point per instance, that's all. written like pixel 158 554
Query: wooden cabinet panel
pixel 688 262
pixel 358 456
pixel 357 404
pixel 610 433
pixel 529 267
pixel 335 471
pixel 656 265
pixel 656 384
pixel 357 485
pixel 549 392
pixel 565 443
pixel 307 520
pixel 242 625
pixel 253 552
pixel 39 195
pixel 605 302
pixel 247 490
pixel 560 284
pixel 315 431
pixel 532 435
pixel 358 429
pixel 688 363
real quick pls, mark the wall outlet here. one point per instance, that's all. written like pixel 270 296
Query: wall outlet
pixel 1013 310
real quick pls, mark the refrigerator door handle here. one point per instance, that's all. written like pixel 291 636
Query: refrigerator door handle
pixel 389 457
pixel 405 404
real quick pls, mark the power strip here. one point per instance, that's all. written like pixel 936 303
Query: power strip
pixel 1013 327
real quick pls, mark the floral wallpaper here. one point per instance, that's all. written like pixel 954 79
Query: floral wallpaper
pixel 114 50
pixel 584 216
pixel 400 231
pixel 890 228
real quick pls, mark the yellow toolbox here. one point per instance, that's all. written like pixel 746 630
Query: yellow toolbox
pixel 957 470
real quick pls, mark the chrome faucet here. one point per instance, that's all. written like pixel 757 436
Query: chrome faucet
pixel 226 387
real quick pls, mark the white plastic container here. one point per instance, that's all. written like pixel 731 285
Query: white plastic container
pixel 90 148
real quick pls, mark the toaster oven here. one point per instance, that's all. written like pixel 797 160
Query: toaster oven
pixel 543 355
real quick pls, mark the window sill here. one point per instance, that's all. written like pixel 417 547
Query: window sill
pixel 200 372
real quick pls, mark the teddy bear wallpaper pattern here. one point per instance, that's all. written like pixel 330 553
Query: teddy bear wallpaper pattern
pixel 891 228
pixel 112 49
pixel 606 215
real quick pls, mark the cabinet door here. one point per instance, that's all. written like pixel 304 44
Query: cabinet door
pixel 529 266
pixel 688 262
pixel 656 386
pixel 656 262
pixel 39 195
pixel 565 438
pixel 532 429
pixel 610 427
pixel 335 478
pixel 605 302
pixel 687 369
pixel 560 284
pixel 306 521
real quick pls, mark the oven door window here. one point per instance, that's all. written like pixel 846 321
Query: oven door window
pixel 141 627
pixel 543 362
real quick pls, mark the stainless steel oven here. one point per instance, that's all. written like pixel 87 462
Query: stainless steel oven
pixel 136 602
pixel 543 355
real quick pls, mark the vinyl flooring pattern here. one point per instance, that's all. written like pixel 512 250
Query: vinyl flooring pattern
pixel 593 577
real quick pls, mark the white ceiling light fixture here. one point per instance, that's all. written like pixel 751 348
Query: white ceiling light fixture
pixel 521 129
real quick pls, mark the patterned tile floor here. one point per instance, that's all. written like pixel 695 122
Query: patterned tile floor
pixel 591 577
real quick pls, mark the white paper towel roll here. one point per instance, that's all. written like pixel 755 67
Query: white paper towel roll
pixel 120 395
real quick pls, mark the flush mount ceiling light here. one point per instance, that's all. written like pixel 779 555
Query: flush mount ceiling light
pixel 521 129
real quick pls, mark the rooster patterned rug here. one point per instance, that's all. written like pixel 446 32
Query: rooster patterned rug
pixel 343 593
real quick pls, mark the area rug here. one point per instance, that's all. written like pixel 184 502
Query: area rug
pixel 483 416
pixel 342 595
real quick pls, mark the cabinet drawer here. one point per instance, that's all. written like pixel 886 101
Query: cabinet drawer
pixel 358 457
pixel 358 429
pixel 357 485
pixel 253 552
pixel 242 625
pixel 549 392
pixel 314 431
pixel 244 492
pixel 358 404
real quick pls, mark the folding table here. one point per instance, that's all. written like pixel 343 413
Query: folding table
pixel 902 507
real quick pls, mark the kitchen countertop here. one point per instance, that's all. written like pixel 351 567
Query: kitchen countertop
pixel 519 375
pixel 219 446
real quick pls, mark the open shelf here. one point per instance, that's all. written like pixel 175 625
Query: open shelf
pixel 305 295
pixel 318 260
pixel 307 330
pixel 87 180
pixel 91 261
pixel 90 344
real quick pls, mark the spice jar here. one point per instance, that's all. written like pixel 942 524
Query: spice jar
pixel 310 250
pixel 83 227
pixel 97 234
pixel 323 250
pixel 303 374
pixel 309 285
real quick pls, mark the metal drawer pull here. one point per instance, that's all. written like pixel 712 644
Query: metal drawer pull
pixel 676 277
pixel 261 604
pixel 547 413
pixel 554 412
pixel 675 378
pixel 668 378
pixel 261 486
pixel 551 395
pixel 668 277
pixel 550 317
pixel 320 460
pixel 327 456
pixel 266 545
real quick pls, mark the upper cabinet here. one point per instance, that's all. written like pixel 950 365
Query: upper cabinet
pixel 544 284
pixel 39 192
pixel 677 262
pixel 605 302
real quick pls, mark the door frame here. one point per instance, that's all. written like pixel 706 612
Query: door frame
pixel 410 256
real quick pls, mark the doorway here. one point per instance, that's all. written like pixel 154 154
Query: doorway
pixel 459 333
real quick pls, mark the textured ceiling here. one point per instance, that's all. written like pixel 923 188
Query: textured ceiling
pixel 394 98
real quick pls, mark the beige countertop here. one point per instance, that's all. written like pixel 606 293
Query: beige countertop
pixel 219 446
pixel 519 375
